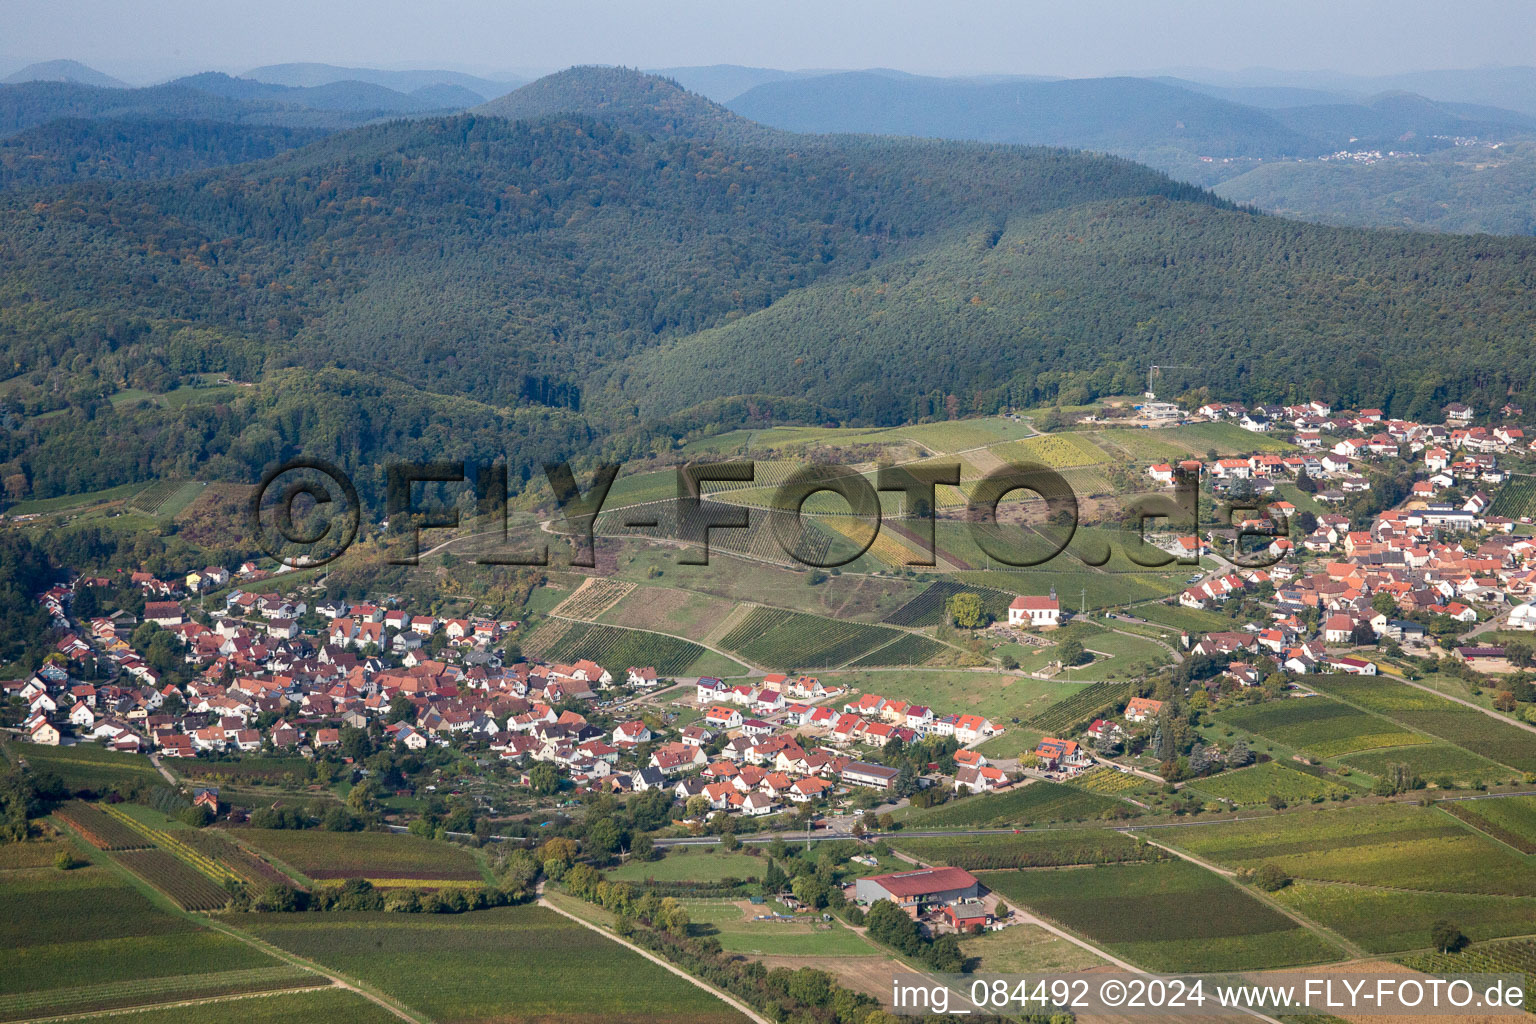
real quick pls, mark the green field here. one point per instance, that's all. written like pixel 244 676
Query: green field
pixel 507 965
pixel 37 506
pixel 1257 783
pixel 1166 916
pixel 1390 920
pixel 1396 845
pixel 689 864
pixel 731 923
pixel 324 855
pixel 1432 762
pixel 1020 806
pixel 997 695
pixel 1025 949
pixel 333 1005
pixel 1455 723
pixel 87 767
pixel 1056 848
pixel 87 939
pixel 1510 820
pixel 1317 725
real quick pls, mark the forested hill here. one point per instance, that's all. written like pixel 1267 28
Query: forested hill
pixel 625 250
pixel 1078 302
pixel 647 103
pixel 502 260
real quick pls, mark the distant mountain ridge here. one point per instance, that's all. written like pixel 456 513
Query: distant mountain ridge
pixel 63 71
pixel 311 74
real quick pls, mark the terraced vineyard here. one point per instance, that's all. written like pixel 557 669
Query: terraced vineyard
pixel 1058 451
pixel 166 841
pixel 1019 806
pixel 927 608
pixel 1319 726
pixel 1108 781
pixel 99 829
pixel 142 991
pixel 785 640
pixel 1431 713
pixel 911 649
pixel 592 598
pixel 1517 956
pixel 1516 499
pixel 249 867
pixel 1255 784
pixel 188 889
pixel 613 647
pixel 1056 848
pixel 1166 915
pixel 1080 708
pixel 1510 820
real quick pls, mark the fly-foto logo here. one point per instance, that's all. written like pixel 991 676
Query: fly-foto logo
pixel 306 512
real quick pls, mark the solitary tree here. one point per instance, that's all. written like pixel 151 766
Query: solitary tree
pixel 1446 937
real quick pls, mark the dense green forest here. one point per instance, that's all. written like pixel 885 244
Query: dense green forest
pixel 605 279
pixel 1269 309
pixel 74 149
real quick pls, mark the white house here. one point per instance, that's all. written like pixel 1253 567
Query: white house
pixel 1038 612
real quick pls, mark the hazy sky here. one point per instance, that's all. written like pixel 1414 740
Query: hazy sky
pixel 1061 37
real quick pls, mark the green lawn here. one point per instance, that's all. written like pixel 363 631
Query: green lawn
pixel 684 864
pixel 731 924
pixel 999 696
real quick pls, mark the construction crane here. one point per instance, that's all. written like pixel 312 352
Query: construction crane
pixel 1158 367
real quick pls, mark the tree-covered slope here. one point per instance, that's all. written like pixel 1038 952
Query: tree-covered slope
pixel 1088 297
pixel 75 149
pixel 504 260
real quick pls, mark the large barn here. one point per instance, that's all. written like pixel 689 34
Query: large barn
pixel 917 888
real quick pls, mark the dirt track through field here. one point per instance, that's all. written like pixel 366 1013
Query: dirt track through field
pixel 204 1001
pixel 729 1000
